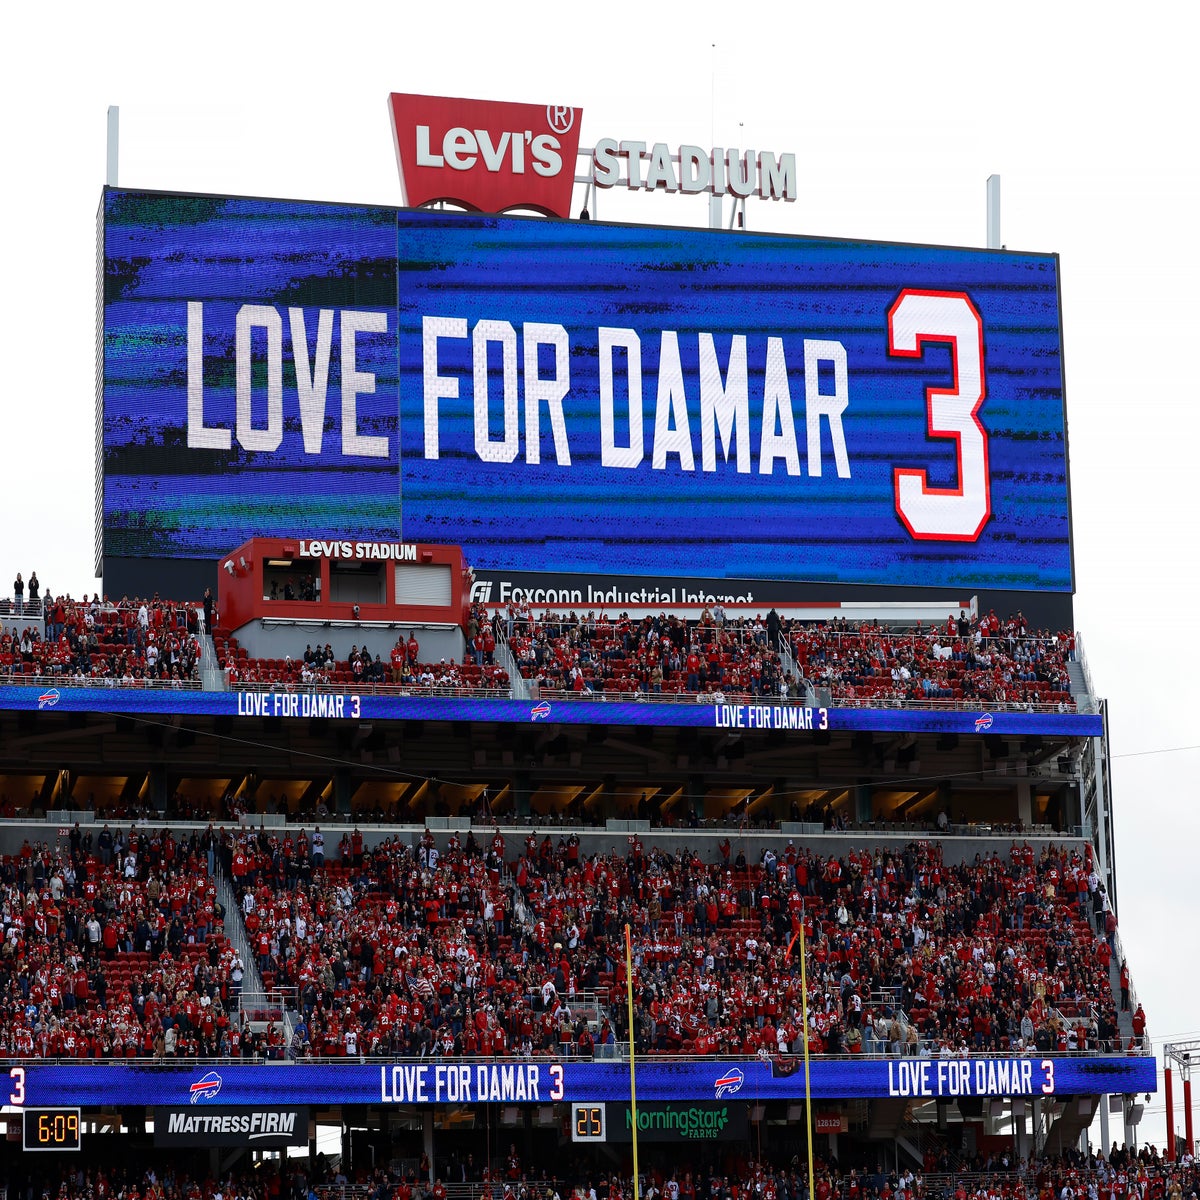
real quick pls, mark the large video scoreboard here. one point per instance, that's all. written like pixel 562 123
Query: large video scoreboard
pixel 574 397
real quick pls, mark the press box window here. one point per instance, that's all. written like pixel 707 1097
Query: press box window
pixel 284 579
pixel 357 583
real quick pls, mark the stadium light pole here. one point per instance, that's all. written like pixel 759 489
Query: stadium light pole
pixel 633 1122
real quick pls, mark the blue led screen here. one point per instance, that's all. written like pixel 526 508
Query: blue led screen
pixel 578 397
pixel 185 474
pixel 513 1081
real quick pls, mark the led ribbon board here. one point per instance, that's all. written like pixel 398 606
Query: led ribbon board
pixel 306 705
pixel 544 1081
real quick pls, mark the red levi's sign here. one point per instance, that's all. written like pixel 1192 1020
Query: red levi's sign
pixel 487 155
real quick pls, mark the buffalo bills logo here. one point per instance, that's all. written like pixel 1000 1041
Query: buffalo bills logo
pixel 206 1088
pixel 539 712
pixel 730 1083
pixel 49 698
pixel 984 722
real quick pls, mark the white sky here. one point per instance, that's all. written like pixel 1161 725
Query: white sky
pixel 898 113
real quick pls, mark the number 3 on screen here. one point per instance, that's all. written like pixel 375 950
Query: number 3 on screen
pixel 17 1096
pixel 955 514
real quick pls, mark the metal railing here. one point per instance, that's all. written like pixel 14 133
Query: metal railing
pixel 940 705
pixel 504 691
pixel 924 1048
pixel 519 686
pixel 234 929
pixel 12 610
pixel 97 681
pixel 328 688
pixel 743 631
pixel 528 1189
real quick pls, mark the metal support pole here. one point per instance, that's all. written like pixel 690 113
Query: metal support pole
pixel 1189 1143
pixel 633 1117
pixel 993 212
pixel 114 129
pixel 1105 1143
pixel 1170 1098
pixel 427 1145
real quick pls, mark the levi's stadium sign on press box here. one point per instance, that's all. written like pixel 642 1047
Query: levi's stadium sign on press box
pixel 576 397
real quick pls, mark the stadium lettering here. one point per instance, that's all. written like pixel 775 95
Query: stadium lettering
pixel 776 716
pixel 311 374
pixel 257 1124
pixel 509 591
pixel 400 552
pixel 459 1083
pixel 723 414
pixel 463 148
pixel 962 1077
pixel 693 170
pixel 400 1084
pixel 290 704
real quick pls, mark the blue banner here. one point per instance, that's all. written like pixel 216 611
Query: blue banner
pixel 576 397
pixel 452 1081
pixel 302 705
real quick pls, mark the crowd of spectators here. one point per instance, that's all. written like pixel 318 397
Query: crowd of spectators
pixel 732 1172
pixel 130 642
pixel 657 655
pixel 907 955
pixel 980 660
pixel 319 666
pixel 162 1179
pixel 485 948
pixel 113 946
pixel 984 661
pixel 737 1174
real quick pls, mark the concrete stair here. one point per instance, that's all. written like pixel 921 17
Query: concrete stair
pixel 212 678
pixel 1080 692
pixel 519 688
pixel 1076 1116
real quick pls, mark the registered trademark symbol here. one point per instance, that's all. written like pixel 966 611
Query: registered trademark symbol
pixel 560 117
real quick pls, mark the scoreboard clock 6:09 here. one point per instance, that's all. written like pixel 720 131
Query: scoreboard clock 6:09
pixel 51 1129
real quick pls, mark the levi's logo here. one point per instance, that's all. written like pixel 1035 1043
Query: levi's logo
pixel 486 155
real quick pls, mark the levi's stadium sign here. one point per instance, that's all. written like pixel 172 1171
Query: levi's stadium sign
pixel 487 155
pixel 490 156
